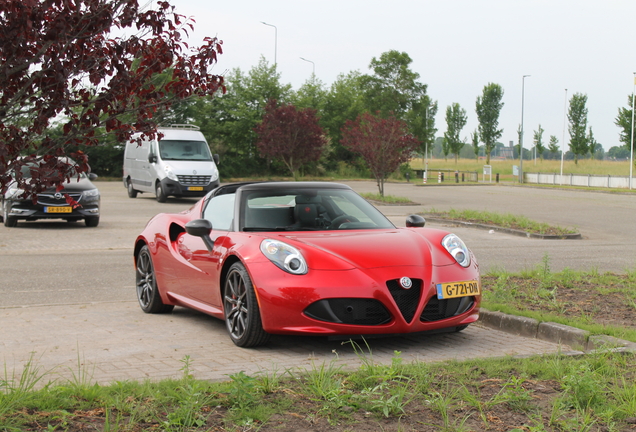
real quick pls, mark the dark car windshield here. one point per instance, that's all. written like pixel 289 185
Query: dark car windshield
pixel 26 171
pixel 184 150
pixel 308 210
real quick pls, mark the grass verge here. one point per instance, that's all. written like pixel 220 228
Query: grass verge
pixel 505 220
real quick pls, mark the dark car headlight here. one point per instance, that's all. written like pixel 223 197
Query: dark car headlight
pixel 458 250
pixel 91 193
pixel 284 256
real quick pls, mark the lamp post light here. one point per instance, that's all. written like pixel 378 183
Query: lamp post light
pixel 275 40
pixel 313 65
pixel 631 157
pixel 523 92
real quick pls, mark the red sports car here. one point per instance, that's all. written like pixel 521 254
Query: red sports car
pixel 304 258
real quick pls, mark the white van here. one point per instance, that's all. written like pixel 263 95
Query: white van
pixel 179 165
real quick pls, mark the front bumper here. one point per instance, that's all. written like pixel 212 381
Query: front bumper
pixel 26 210
pixel 357 302
pixel 190 189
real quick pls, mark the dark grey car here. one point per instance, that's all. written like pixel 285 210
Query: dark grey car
pixel 52 204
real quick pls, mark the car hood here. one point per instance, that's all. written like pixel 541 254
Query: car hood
pixel 368 249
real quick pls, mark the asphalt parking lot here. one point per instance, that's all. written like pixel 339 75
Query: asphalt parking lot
pixel 67 292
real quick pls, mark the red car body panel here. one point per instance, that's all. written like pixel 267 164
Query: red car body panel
pixel 347 264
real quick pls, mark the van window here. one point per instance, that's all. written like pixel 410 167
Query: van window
pixel 184 150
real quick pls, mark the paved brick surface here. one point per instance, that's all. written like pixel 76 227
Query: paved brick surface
pixel 116 341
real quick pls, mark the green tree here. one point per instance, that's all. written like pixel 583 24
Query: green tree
pixel 488 108
pixel 456 119
pixel 228 121
pixel 311 94
pixel 538 142
pixel 553 146
pixel 624 122
pixel 577 117
pixel 393 88
pixel 592 145
pixel 474 138
pixel 344 101
pixel 618 152
pixel 421 121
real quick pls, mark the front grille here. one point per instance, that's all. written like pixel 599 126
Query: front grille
pixel 50 200
pixel 357 311
pixel 194 180
pixel 437 309
pixel 406 299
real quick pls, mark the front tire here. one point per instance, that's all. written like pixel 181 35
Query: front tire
pixel 242 314
pixel 92 221
pixel 147 291
pixel 132 193
pixel 8 221
pixel 161 195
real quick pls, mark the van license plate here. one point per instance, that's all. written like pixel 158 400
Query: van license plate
pixel 58 210
pixel 195 188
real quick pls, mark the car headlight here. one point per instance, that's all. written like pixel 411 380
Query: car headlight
pixel 169 173
pixel 458 250
pixel 91 193
pixel 286 257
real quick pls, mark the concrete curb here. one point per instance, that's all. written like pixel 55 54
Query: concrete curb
pixel 573 236
pixel 574 337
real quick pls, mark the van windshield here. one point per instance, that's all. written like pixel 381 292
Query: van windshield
pixel 184 150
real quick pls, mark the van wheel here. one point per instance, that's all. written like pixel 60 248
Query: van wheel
pixel 161 196
pixel 132 193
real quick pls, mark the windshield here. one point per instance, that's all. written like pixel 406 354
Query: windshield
pixel 26 171
pixel 184 150
pixel 308 210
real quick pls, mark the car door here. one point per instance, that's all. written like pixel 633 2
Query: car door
pixel 202 275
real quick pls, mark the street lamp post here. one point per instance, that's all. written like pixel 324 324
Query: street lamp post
pixel 523 92
pixel 275 40
pixel 312 63
pixel 565 116
pixel 631 157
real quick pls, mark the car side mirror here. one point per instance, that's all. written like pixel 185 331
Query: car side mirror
pixel 152 158
pixel 415 221
pixel 92 176
pixel 201 228
pixel 216 158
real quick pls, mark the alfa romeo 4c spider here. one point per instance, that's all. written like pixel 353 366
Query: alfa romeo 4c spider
pixel 305 258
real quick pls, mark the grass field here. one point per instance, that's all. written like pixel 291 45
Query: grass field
pixel 504 167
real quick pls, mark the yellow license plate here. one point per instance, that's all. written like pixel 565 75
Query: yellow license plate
pixel 195 188
pixel 58 210
pixel 458 289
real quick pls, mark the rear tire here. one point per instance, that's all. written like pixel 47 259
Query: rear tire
pixel 132 193
pixel 242 314
pixel 161 196
pixel 146 281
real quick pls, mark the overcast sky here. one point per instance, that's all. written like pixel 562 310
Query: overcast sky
pixel 457 47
